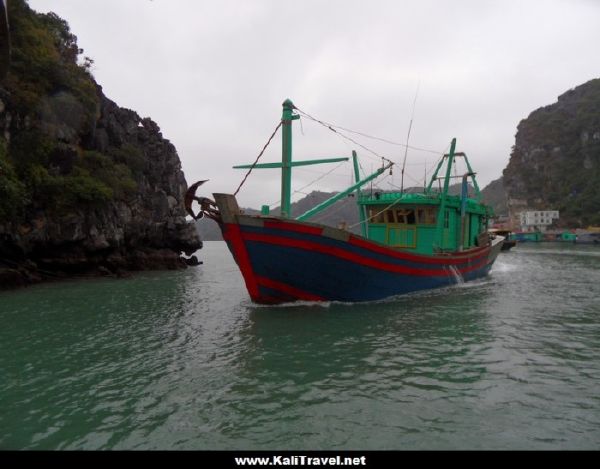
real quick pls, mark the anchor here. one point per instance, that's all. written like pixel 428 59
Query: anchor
pixel 208 207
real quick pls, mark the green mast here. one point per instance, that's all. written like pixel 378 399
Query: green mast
pixel 439 230
pixel 286 156
pixel 361 208
pixel 472 174
pixel 287 164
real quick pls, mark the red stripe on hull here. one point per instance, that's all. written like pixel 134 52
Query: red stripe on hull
pixel 459 258
pixel 358 259
pixel 233 235
pixel 449 259
pixel 279 225
pixel 288 290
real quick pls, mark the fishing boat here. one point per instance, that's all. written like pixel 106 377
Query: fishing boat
pixel 527 236
pixel 588 237
pixel 508 243
pixel 408 241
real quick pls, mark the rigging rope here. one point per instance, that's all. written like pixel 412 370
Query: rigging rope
pixel 408 137
pixel 321 176
pixel 257 158
pixel 329 211
pixel 333 126
pixel 376 214
pixel 333 129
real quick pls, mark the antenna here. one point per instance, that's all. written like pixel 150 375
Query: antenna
pixel 408 137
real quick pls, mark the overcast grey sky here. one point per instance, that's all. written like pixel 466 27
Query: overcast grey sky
pixel 213 75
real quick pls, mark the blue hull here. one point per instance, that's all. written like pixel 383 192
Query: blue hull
pixel 284 261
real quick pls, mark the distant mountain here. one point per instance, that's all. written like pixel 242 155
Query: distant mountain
pixel 494 195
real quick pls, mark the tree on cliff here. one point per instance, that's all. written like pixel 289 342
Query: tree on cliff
pixel 52 103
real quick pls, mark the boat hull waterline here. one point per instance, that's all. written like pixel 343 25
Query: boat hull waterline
pixel 282 260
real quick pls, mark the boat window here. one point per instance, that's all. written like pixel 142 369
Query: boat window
pixel 389 216
pixel 426 216
pixel 376 214
pixel 405 216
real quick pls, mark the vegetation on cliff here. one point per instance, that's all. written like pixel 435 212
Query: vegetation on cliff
pixel 54 106
pixel 84 184
pixel 555 162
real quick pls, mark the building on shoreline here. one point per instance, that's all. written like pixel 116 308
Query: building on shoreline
pixel 537 220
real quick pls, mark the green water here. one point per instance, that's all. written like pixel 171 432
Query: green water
pixel 183 360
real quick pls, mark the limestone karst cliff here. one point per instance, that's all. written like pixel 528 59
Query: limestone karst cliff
pixel 85 185
pixel 555 162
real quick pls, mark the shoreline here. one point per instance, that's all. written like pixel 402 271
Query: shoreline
pixel 17 274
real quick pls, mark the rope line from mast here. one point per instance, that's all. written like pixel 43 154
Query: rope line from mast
pixel 257 158
pixel 362 134
pixel 321 176
pixel 329 211
pixel 408 137
pixel 333 129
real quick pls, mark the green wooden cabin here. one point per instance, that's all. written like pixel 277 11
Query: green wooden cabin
pixel 429 222
pixel 410 221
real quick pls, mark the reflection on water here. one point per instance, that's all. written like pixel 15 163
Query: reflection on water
pixel 183 360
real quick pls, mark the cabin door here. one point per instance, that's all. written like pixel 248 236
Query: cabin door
pixel 402 236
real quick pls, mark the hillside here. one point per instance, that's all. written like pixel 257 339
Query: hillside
pixel 494 195
pixel 555 162
pixel 85 185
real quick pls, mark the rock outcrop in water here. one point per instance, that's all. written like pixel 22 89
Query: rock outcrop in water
pixel 555 162
pixel 86 186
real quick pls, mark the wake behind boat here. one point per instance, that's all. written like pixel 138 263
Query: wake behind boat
pixel 408 241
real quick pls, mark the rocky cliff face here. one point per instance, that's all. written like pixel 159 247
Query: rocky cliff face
pixel 86 186
pixel 555 162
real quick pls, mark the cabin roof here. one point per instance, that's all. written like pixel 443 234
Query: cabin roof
pixel 400 198
pixel 377 198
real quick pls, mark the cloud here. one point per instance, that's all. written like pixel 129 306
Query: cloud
pixel 213 75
